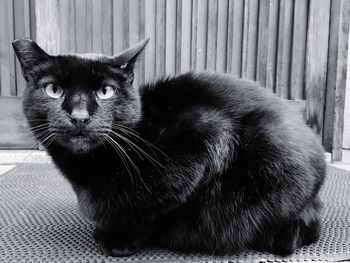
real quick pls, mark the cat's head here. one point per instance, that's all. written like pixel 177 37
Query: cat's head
pixel 75 100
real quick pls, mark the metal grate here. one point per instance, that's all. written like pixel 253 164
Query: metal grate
pixel 39 222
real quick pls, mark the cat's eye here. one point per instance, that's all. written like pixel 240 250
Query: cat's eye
pixel 105 92
pixel 53 90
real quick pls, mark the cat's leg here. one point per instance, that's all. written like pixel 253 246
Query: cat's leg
pixel 289 236
pixel 124 243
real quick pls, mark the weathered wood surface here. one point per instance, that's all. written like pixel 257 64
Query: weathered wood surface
pixel 14 131
pixel 316 62
pixel 341 69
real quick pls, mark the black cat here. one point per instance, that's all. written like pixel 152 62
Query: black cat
pixel 197 162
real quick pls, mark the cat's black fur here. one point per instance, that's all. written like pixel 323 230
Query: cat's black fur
pixel 223 163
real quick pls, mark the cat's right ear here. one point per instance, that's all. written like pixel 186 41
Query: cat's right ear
pixel 29 54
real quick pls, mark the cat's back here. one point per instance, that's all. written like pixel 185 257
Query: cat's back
pixel 218 91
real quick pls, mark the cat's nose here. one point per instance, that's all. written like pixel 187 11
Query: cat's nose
pixel 79 116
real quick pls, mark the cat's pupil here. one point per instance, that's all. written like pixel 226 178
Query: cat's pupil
pixel 104 90
pixel 54 88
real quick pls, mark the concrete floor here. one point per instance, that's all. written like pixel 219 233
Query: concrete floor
pixel 9 159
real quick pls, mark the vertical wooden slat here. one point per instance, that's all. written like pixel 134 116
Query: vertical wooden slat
pixel 250 39
pixel 328 123
pixel 80 25
pixel 186 36
pixel 126 8
pixel 261 63
pixel 96 26
pixel 142 36
pixel 7 59
pixel 229 37
pixel 284 49
pixel 118 26
pixel 47 25
pixel 202 35
pixel 150 31
pixel 134 31
pixel 88 26
pixel 32 19
pixel 237 37
pixel 298 50
pixel 194 34
pixel 63 7
pixel 221 37
pixel 170 37
pixel 71 27
pixel 212 34
pixel 272 45
pixel 178 36
pixel 107 24
pixel 160 37
pixel 22 29
pixel 340 88
pixel 316 62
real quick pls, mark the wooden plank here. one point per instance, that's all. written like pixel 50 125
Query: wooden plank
pixel 229 37
pixel 150 31
pixel 237 37
pixel 80 25
pixel 134 31
pixel 298 50
pixel 48 33
pixel 126 8
pixel 202 35
pixel 96 26
pixel 32 19
pixel 170 49
pixel 178 36
pixel 7 59
pixel 340 87
pixel 251 30
pixel 118 26
pixel 316 62
pixel 63 7
pixel 89 26
pixel 328 123
pixel 221 38
pixel 261 63
pixel 272 44
pixel 22 29
pixel 71 27
pixel 186 35
pixel 107 24
pixel 160 37
pixel 212 34
pixel 194 35
pixel 142 36
pixel 284 49
pixel 15 133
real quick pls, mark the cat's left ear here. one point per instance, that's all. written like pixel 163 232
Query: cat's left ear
pixel 127 59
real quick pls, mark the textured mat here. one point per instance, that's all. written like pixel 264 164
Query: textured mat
pixel 40 222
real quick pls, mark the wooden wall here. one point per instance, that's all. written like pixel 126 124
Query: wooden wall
pixel 289 46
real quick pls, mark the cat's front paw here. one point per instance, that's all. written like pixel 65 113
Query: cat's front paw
pixel 118 251
pixel 115 245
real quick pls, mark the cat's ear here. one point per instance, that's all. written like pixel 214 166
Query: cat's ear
pixel 29 54
pixel 127 59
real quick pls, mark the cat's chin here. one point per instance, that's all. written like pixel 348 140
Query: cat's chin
pixel 80 144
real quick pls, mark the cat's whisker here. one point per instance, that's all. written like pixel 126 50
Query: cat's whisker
pixel 139 174
pixel 120 154
pixel 129 131
pixel 133 165
pixel 137 148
